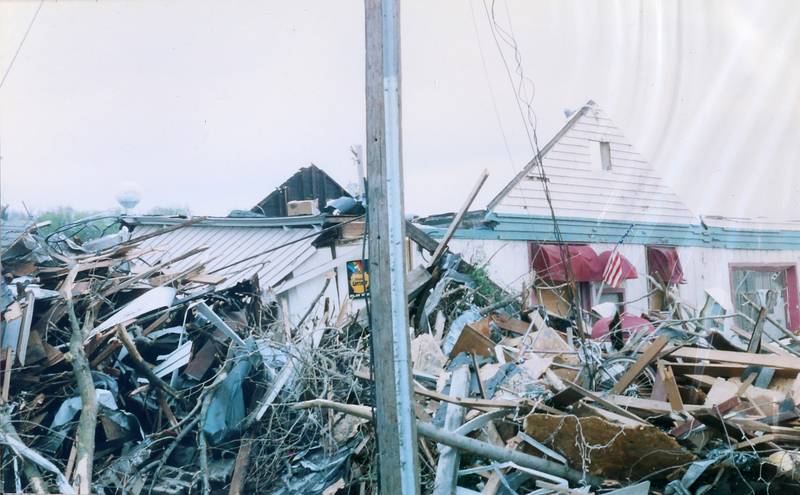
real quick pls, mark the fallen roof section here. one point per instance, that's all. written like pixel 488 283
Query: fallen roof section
pixel 237 248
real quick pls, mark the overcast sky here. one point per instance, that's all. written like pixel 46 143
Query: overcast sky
pixel 211 104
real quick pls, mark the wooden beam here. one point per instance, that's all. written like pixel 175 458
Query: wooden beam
pixel 758 330
pixel 673 394
pixel 649 354
pixel 770 360
pixel 451 230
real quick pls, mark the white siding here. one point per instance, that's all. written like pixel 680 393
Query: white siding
pixel 709 268
pixel 630 191
pixel 704 268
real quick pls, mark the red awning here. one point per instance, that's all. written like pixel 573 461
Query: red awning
pixel 548 264
pixel 664 264
pixel 628 270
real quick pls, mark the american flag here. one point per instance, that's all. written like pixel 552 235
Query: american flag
pixel 612 275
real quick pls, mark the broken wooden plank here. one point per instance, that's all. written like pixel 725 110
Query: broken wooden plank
pixel 673 394
pixel 457 219
pixel 649 354
pixel 758 329
pixel 786 362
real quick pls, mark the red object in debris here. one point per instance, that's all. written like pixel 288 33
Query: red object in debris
pixel 630 324
pixel 626 268
pixel 548 263
pixel 664 264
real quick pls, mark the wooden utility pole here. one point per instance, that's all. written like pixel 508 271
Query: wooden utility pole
pixel 395 422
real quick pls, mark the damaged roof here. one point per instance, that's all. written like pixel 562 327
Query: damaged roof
pixel 236 248
pixel 307 183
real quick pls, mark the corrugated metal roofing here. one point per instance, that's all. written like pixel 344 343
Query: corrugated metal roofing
pixel 275 251
pixel 11 229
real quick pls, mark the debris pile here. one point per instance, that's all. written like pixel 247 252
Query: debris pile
pixel 119 377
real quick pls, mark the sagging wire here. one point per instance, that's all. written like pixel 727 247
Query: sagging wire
pixel 530 130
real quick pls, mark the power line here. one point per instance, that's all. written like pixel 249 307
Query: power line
pixel 491 91
pixel 22 42
pixel 530 129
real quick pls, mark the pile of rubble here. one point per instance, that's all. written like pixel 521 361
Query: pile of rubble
pixel 119 377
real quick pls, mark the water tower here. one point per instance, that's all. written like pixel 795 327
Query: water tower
pixel 128 196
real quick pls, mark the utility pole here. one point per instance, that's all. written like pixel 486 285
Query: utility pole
pixel 395 422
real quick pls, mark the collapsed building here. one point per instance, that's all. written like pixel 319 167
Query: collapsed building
pixel 233 355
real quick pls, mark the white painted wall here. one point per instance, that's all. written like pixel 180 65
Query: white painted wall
pixel 509 259
pixel 703 268
pixel 707 267
pixel 317 266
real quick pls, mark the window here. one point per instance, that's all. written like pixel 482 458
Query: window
pixel 664 270
pixel 601 155
pixel 605 155
pixel 550 286
pixel 609 294
pixel 771 286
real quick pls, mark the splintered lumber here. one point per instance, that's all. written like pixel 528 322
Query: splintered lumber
pixel 240 467
pixel 648 405
pixel 641 363
pixel 770 360
pixel 673 394
pixel 457 219
pixel 758 330
pixel 447 466
pixel 468 444
pixel 469 402
pixel 575 392
pixel 724 370
pixel 140 363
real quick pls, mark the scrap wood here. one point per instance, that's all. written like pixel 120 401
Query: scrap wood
pixel 457 219
pixel 140 363
pixel 467 444
pixel 787 362
pixel 473 403
pixel 574 392
pixel 510 324
pixel 758 329
pixel 647 356
pixel 768 438
pixel 606 449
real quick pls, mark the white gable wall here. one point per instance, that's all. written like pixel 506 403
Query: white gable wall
pixel 630 191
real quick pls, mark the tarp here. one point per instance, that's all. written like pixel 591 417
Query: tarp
pixel 664 264
pixel 548 263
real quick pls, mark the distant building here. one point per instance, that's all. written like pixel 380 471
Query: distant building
pixel 308 183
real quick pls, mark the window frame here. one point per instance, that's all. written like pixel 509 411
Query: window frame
pixel 793 296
